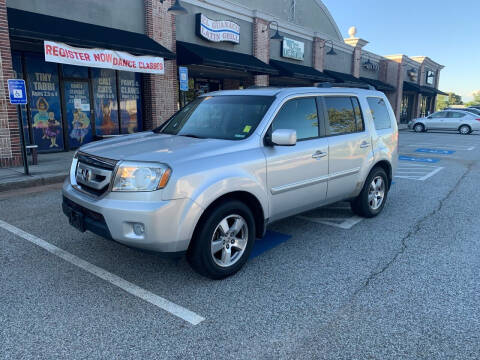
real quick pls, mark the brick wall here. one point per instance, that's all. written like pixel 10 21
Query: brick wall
pixel 261 47
pixel 160 91
pixel 10 151
pixel 318 54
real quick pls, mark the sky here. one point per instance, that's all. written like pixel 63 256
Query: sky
pixel 448 32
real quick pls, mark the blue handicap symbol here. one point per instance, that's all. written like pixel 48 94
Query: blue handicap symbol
pixel 417 159
pixel 268 242
pixel 435 151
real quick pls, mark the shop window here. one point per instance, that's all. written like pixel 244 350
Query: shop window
pixel 300 115
pixel 105 101
pixel 44 99
pixel 18 74
pixel 341 116
pixel 77 72
pixel 130 102
pixel 380 114
pixel 77 101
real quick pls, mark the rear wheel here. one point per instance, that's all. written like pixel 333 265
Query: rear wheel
pixel 223 241
pixel 373 196
pixel 419 128
pixel 464 130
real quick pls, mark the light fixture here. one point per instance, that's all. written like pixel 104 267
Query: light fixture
pixel 331 51
pixel 275 36
pixel 177 9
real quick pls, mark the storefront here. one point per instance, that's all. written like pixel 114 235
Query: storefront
pixel 71 105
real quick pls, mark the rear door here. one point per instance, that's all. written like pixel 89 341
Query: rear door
pixel 349 145
pixel 455 119
pixel 297 175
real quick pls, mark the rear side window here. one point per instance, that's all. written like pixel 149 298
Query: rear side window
pixel 380 113
pixel 300 115
pixel 452 114
pixel 341 115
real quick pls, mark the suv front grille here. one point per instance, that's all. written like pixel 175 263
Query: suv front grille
pixel 94 174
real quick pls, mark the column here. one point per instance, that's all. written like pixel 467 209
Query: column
pixel 160 92
pixel 318 53
pixel 10 150
pixel 261 47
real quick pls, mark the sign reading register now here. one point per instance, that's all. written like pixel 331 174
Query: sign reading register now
pixel 102 58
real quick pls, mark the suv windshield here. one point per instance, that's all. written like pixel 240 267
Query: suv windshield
pixel 229 117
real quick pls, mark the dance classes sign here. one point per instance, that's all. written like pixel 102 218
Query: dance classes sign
pixel 102 58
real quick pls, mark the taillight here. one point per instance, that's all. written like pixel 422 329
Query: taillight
pixel 477 119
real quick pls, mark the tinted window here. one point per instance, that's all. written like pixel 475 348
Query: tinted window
pixel 219 117
pixel 440 114
pixel 299 115
pixel 452 114
pixel 380 114
pixel 358 114
pixel 341 117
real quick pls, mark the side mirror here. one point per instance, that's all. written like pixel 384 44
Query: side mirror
pixel 284 137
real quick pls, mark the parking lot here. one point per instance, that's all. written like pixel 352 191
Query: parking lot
pixel 325 284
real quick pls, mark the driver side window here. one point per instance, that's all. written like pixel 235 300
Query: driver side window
pixel 441 114
pixel 299 115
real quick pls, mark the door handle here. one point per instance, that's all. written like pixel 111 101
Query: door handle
pixel 364 144
pixel 319 154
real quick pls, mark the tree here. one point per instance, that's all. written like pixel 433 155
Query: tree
pixel 454 99
pixel 476 99
pixel 444 101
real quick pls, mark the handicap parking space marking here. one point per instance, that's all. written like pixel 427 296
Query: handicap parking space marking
pixel 419 172
pixel 437 146
pixel 268 242
pixel 162 303
pixel 435 151
pixel 417 159
pixel 338 215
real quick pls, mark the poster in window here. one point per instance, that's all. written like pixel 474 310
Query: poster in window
pixel 18 74
pixel 130 102
pixel 105 102
pixel 77 100
pixel 44 104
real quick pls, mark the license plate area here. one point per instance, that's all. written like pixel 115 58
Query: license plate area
pixel 77 220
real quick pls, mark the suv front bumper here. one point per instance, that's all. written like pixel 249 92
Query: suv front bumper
pixel 168 225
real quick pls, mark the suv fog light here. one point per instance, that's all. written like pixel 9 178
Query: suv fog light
pixel 138 229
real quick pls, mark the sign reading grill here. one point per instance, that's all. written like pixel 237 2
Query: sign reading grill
pixel 217 30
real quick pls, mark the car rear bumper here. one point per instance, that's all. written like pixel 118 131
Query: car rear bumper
pixel 168 225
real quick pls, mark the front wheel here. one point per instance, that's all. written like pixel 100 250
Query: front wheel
pixel 419 128
pixel 464 130
pixel 373 196
pixel 223 241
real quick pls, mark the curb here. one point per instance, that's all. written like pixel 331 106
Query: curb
pixel 32 182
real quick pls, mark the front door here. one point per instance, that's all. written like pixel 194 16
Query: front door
pixel 297 175
pixel 78 113
pixel 437 120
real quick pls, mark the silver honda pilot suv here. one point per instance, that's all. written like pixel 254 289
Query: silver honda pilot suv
pixel 211 178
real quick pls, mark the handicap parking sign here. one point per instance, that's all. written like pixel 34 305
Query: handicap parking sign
pixel 17 92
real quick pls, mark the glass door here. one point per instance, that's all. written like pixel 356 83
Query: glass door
pixel 78 112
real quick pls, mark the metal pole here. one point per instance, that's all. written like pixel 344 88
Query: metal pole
pixel 22 142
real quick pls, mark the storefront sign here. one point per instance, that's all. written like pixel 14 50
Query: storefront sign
pixel 293 49
pixel 370 66
pixel 183 75
pixel 102 58
pixel 217 30
pixel 412 74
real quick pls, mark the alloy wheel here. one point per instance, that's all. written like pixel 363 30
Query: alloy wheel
pixel 376 193
pixel 229 240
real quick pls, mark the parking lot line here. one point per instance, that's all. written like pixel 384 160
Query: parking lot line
pixel 342 223
pixel 113 279
pixel 436 146
pixel 412 171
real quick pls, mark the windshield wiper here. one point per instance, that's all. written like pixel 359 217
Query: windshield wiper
pixel 191 135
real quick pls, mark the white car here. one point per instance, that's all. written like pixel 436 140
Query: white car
pixel 450 120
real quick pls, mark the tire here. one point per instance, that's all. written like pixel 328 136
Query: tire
pixel 464 130
pixel 363 205
pixel 214 240
pixel 419 127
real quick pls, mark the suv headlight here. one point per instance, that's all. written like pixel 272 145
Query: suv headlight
pixel 141 177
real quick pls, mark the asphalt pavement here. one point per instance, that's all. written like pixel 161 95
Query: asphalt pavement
pixel 404 285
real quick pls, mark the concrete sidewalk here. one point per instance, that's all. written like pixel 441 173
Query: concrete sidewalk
pixel 51 168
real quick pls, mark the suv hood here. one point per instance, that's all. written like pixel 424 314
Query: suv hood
pixel 149 146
